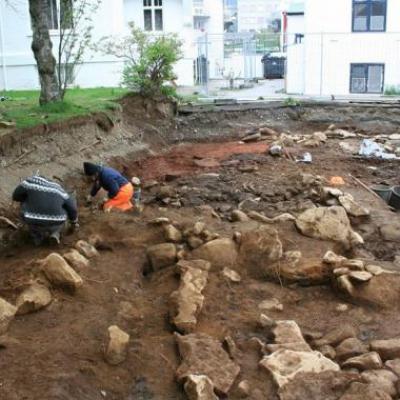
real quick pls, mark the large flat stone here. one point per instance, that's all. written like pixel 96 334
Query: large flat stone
pixel 203 355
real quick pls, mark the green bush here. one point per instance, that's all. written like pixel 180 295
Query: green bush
pixel 392 91
pixel 149 61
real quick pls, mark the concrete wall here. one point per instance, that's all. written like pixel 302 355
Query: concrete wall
pixel 330 47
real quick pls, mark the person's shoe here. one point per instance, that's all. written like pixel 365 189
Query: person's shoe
pixel 54 239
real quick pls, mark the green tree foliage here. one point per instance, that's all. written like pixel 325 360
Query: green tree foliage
pixel 149 60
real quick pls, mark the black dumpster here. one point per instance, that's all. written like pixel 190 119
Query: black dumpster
pixel 274 66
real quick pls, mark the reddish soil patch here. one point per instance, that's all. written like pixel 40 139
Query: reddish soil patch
pixel 180 159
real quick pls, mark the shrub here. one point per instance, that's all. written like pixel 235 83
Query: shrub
pixel 149 61
pixel 392 90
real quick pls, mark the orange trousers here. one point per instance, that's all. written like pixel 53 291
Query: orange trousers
pixel 122 201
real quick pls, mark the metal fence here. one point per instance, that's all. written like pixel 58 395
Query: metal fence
pixel 318 65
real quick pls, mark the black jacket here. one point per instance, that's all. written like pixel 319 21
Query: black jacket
pixel 44 202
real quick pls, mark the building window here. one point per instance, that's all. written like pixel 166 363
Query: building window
pixel 64 18
pixel 52 14
pixel 153 15
pixel 367 78
pixel 369 15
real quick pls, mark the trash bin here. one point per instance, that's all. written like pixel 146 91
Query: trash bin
pixel 274 66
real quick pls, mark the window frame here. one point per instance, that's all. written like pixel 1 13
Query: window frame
pixel 369 15
pixel 153 6
pixel 366 67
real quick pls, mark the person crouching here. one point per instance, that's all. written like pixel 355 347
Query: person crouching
pixel 45 208
pixel 119 189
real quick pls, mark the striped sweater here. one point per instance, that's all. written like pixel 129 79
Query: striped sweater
pixel 44 202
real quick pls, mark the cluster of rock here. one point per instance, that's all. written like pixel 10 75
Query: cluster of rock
pixel 338 365
pixel 56 272
pixel 59 271
pixel 206 369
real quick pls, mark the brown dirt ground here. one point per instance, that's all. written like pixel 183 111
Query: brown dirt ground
pixel 57 352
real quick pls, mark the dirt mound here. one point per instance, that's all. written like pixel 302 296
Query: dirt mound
pixel 58 351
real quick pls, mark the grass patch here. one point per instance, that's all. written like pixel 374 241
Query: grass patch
pixel 22 107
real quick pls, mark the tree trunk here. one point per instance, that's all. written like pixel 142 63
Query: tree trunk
pixel 42 50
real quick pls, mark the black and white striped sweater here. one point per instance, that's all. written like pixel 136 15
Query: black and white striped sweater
pixel 44 202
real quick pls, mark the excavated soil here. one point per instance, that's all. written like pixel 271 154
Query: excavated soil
pixel 57 353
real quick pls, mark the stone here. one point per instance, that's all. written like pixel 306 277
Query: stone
pixel 328 223
pixel 203 355
pixel 344 284
pixel 265 130
pixel 161 255
pixel 337 335
pixel 288 333
pixel 266 322
pixel 172 234
pixel 333 259
pixel 341 271
pixel 284 365
pixel 255 137
pixel 182 265
pixel 360 276
pixel 187 301
pixel 60 273
pixel 391 231
pixel 293 267
pixel 320 136
pixel 165 192
pixel 199 387
pixel 239 216
pixel 259 251
pixel 383 379
pixel 329 385
pixel 244 389
pixel 350 347
pixel 270 305
pixel 7 313
pixel 366 361
pixel 32 299
pixel 394 366
pixel 194 242
pixel 388 349
pixel 331 191
pixel 382 291
pixel 363 391
pixel 220 253
pixel 352 207
pixel 375 270
pixel 76 259
pixel 160 221
pixel 86 249
pixel 117 346
pixel 353 265
pixel 342 307
pixel 328 351
pixel 231 275
pixel 198 228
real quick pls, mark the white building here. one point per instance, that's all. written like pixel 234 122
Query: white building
pixel 189 18
pixel 254 15
pixel 350 47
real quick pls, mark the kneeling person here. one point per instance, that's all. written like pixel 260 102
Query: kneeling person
pixel 45 207
pixel 119 189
